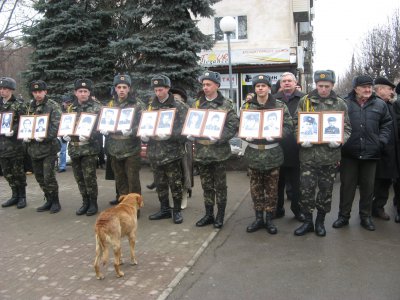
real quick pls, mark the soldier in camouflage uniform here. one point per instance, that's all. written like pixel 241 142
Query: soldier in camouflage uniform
pixel 11 149
pixel 318 162
pixel 165 152
pixel 264 157
pixel 43 151
pixel 211 153
pixel 124 147
pixel 84 150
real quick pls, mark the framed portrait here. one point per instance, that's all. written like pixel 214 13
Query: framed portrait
pixel 6 122
pixel 125 118
pixel 308 127
pixel 250 123
pixel 67 124
pixel 25 127
pixel 85 124
pixel 108 119
pixel 148 122
pixel 272 123
pixel 332 127
pixel 165 121
pixel 194 122
pixel 41 125
pixel 214 123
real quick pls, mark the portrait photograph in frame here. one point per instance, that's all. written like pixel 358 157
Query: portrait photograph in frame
pixel 272 125
pixel 6 122
pixel 148 122
pixel 25 127
pixel 308 127
pixel 194 122
pixel 85 124
pixel 108 119
pixel 214 123
pixel 250 123
pixel 41 125
pixel 165 122
pixel 125 118
pixel 332 127
pixel 67 124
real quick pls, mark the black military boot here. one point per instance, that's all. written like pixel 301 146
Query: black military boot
pixel 258 223
pixel 21 197
pixel 46 206
pixel 164 213
pixel 55 204
pixel 13 200
pixel 319 224
pixel 308 225
pixel 85 206
pixel 219 219
pixel 93 208
pixel 176 213
pixel 208 218
pixel 271 228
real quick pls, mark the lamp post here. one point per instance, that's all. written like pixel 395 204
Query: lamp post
pixel 228 26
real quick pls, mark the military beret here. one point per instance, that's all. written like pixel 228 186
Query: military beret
pixel 122 79
pixel 83 83
pixel 160 81
pixel 38 85
pixel 261 79
pixel 213 76
pixel 384 81
pixel 179 91
pixel 331 119
pixel 362 80
pixel 8 83
pixel 308 119
pixel 324 75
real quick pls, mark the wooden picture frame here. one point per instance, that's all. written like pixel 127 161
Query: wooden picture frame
pixel 332 127
pixel 148 121
pixel 67 124
pixel 26 126
pixel 108 119
pixel 125 119
pixel 308 127
pixel 194 122
pixel 85 124
pixel 7 119
pixel 165 122
pixel 214 124
pixel 272 123
pixel 250 123
pixel 41 126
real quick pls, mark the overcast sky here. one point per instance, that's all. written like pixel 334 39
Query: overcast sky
pixel 339 25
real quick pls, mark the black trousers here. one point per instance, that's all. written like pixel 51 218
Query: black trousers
pixel 381 192
pixel 289 176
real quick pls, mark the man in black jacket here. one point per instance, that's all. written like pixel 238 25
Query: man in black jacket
pixel 371 126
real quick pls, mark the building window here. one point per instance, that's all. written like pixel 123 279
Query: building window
pixel 240 32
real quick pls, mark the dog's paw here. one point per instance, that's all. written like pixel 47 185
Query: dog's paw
pixel 133 262
pixel 100 277
pixel 120 274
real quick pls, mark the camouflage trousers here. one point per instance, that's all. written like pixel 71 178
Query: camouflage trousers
pixel 312 177
pixel 169 176
pixel 84 168
pixel 126 172
pixel 264 189
pixel 213 182
pixel 45 174
pixel 13 171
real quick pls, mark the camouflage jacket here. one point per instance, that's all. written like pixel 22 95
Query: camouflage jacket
pixel 221 149
pixel 121 146
pixel 92 147
pixel 266 159
pixel 50 145
pixel 322 154
pixel 11 146
pixel 161 152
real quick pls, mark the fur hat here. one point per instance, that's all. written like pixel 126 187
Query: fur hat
pixel 83 83
pixel 38 85
pixel 8 83
pixel 261 79
pixel 122 79
pixel 324 75
pixel 160 81
pixel 213 76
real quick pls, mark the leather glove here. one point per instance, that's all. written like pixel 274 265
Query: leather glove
pixel 249 139
pixel 191 138
pixel 163 137
pixel 126 132
pixel 306 144
pixel 213 139
pixel 83 138
pixel 104 132
pixel 39 140
pixel 334 145
pixel 144 138
pixel 66 138
pixel 269 139
pixel 9 134
pixel 26 140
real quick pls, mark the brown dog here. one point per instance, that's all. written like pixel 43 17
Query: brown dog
pixel 111 225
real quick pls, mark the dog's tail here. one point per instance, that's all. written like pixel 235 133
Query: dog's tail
pixel 101 248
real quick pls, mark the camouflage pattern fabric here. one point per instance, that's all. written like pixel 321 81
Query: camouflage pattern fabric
pixel 169 176
pixel 84 168
pixel 126 172
pixel 213 182
pixel 45 174
pixel 264 189
pixel 311 177
pixel 13 171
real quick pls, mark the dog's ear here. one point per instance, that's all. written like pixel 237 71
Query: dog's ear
pixel 140 200
pixel 121 198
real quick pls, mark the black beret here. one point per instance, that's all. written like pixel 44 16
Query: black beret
pixel 160 81
pixel 261 79
pixel 83 83
pixel 122 79
pixel 324 75
pixel 210 75
pixel 8 83
pixel 38 85
pixel 362 80
pixel 384 81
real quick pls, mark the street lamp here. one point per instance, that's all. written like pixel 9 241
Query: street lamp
pixel 228 26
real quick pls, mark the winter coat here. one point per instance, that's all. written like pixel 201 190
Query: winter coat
pixel 371 125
